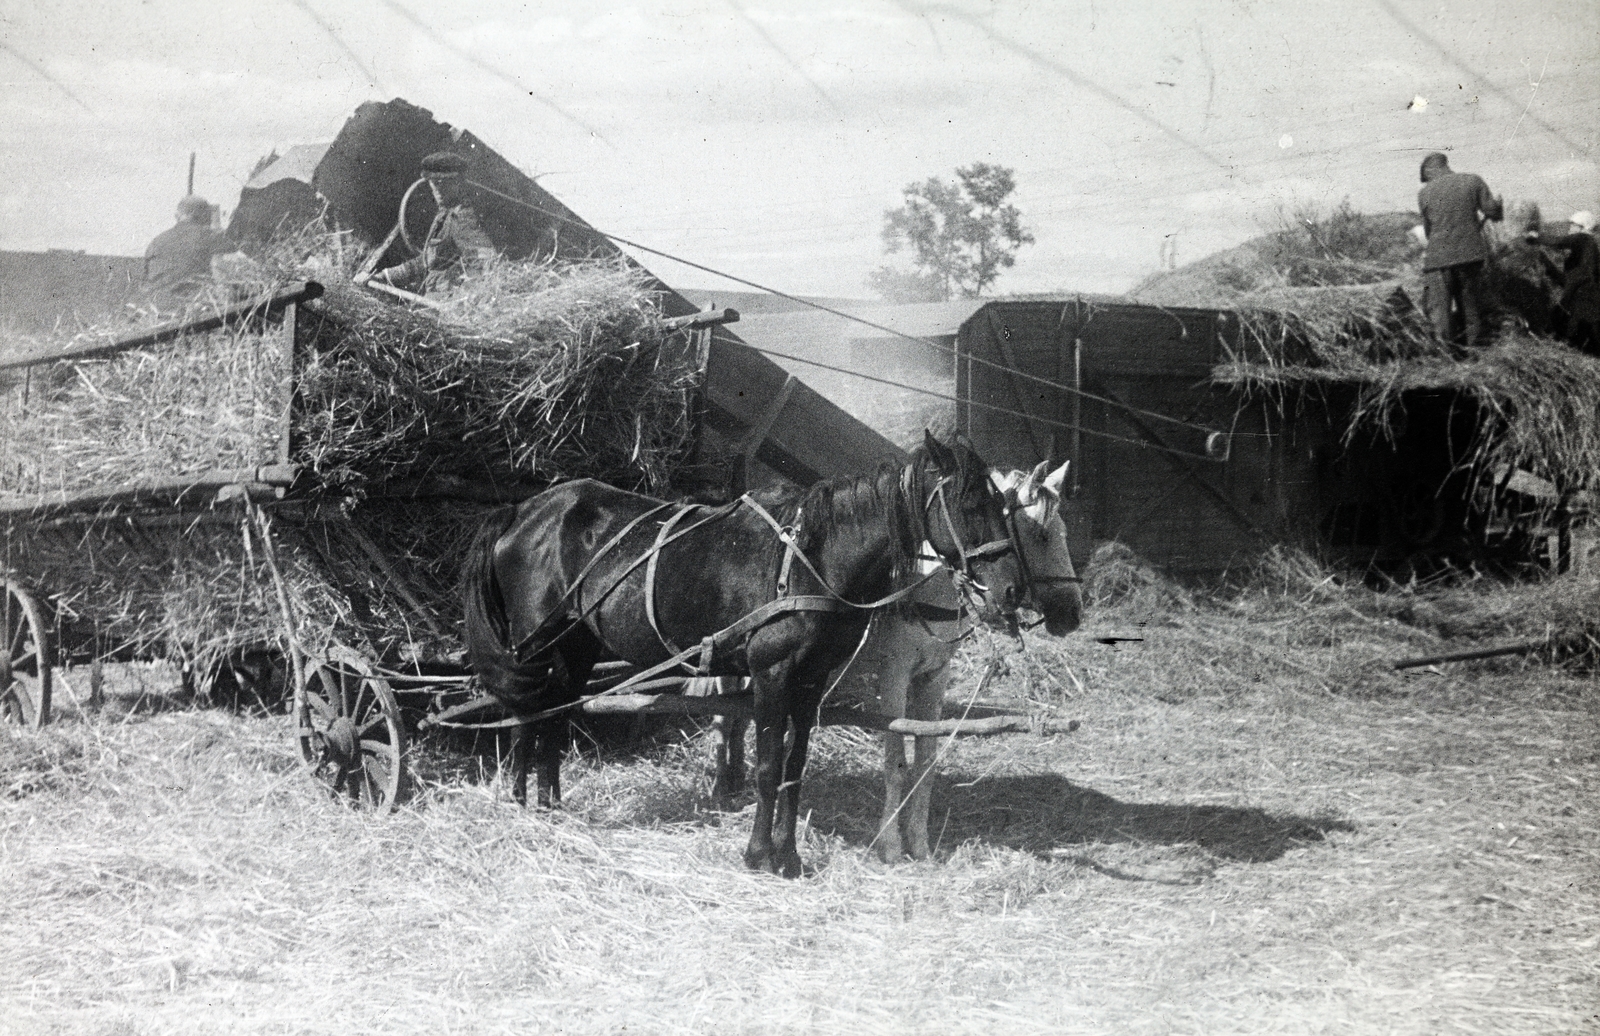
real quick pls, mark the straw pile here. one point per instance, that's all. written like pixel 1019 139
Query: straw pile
pixel 1335 302
pixel 528 374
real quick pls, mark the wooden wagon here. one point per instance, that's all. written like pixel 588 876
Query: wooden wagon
pixel 325 589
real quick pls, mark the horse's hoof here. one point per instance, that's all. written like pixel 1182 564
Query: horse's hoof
pixel 759 861
pixel 790 866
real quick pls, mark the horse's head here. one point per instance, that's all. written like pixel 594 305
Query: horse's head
pixel 1033 506
pixel 962 515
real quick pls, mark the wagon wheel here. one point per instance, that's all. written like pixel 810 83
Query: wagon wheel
pixel 27 659
pixel 347 723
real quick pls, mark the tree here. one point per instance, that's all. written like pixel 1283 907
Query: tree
pixel 960 236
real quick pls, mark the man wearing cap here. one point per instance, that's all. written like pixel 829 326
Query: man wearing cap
pixel 177 265
pixel 1454 207
pixel 1579 308
pixel 456 243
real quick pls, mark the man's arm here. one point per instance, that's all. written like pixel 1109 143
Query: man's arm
pixel 1488 204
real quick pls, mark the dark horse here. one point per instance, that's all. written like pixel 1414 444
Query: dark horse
pixel 583 568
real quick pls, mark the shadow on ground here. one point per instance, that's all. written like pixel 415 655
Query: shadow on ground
pixel 1048 815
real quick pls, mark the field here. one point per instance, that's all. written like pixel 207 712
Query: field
pixel 1260 827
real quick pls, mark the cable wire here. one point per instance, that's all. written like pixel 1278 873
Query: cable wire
pixel 847 316
pixel 983 406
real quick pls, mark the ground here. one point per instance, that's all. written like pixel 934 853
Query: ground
pixel 1259 827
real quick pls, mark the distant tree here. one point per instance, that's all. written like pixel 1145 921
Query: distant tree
pixel 960 236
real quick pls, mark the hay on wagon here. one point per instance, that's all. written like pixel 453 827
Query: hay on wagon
pixel 402 422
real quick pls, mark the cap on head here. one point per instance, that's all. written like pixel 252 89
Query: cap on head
pixel 1583 218
pixel 194 209
pixel 1438 161
pixel 443 163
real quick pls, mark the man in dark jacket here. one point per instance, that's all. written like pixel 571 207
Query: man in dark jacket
pixel 177 265
pixel 1578 312
pixel 456 243
pixel 1454 207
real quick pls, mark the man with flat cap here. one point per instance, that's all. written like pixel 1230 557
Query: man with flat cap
pixel 456 243
pixel 1454 207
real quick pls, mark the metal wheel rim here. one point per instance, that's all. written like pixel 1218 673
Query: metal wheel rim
pixel 27 660
pixel 350 736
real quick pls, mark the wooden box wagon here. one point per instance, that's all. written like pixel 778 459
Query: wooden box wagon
pixel 266 565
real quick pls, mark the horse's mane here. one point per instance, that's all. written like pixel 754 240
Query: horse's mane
pixel 846 501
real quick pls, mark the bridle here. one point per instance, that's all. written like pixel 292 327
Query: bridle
pixel 966 581
pixel 960 564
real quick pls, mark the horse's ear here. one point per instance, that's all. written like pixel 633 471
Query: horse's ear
pixel 942 455
pixel 1056 479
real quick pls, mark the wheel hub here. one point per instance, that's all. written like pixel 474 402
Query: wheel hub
pixel 340 741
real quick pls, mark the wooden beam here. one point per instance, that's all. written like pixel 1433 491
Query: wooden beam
pixel 240 313
pixel 172 490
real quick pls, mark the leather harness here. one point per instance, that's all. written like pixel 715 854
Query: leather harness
pixel 785 602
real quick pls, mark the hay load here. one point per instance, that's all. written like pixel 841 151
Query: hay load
pixel 402 424
pixel 529 374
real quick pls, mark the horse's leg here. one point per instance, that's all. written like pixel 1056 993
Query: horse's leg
pixel 579 652
pixel 728 743
pixel 785 846
pixel 895 660
pixel 924 700
pixel 772 707
pixel 550 738
pixel 521 743
pixel 894 788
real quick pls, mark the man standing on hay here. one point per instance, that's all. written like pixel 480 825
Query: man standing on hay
pixel 1579 308
pixel 177 265
pixel 1454 207
pixel 456 244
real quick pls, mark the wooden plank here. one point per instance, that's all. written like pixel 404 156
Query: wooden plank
pixel 810 439
pixel 169 491
pixel 1023 396
pixel 1182 465
pixel 244 311
pixel 286 383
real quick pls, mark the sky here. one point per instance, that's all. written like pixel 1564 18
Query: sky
pixel 767 139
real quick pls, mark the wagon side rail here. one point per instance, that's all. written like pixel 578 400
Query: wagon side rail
pixel 196 489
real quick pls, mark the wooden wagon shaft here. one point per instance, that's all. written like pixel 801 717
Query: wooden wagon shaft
pixel 1524 648
pixel 199 488
pixel 294 293
pixel 705 318
pixel 741 706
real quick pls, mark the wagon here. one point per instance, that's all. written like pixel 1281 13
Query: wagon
pixel 82 566
pixel 325 591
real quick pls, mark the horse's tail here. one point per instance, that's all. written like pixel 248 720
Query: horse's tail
pixel 489 648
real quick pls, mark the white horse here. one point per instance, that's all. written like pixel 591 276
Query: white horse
pixel 902 669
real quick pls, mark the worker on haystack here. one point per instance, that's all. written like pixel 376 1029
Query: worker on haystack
pixel 1454 207
pixel 456 243
pixel 1578 312
pixel 178 263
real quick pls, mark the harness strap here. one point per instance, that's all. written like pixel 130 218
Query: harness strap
pixel 787 535
pixel 577 583
pixel 768 612
pixel 662 537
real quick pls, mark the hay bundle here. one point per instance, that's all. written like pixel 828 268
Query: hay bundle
pixel 530 373
pixel 526 375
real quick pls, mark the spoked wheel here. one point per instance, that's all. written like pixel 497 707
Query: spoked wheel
pixel 347 722
pixel 27 659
